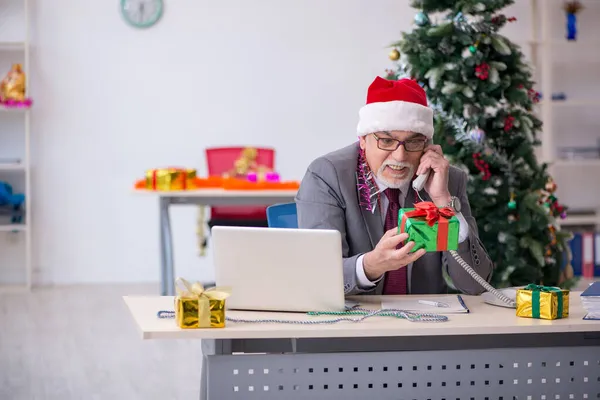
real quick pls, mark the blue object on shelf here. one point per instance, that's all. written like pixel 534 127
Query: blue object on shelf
pixel 558 96
pixel 12 201
pixel 282 215
pixel 571 26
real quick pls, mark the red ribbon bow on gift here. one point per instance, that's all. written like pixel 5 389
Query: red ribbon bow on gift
pixel 432 215
pixel 431 212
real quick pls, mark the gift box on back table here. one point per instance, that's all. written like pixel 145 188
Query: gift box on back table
pixel 542 302
pixel 430 227
pixel 199 308
pixel 165 179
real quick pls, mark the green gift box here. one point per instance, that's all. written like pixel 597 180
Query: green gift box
pixel 430 227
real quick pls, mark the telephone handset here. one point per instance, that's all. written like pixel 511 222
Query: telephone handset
pixel 419 182
pixel 418 185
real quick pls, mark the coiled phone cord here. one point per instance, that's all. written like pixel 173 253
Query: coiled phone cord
pixel 482 281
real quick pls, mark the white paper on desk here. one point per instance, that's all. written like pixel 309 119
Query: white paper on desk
pixel 411 303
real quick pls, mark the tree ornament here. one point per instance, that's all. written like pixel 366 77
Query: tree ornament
pixel 461 23
pixel 498 20
pixel 508 123
pixel 512 218
pixel 571 10
pixel 479 25
pixel 421 19
pixel 534 95
pixel 471 24
pixel 477 135
pixel 512 204
pixel 551 185
pixel 482 166
pixel 482 71
pixel 472 49
pixel 394 55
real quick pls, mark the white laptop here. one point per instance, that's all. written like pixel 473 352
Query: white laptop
pixel 276 269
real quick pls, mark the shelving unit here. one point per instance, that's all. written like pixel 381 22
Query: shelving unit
pixel 9 51
pixel 12 46
pixel 568 173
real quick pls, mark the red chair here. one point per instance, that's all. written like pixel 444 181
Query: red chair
pixel 220 160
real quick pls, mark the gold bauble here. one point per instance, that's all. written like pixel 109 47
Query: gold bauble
pixel 551 186
pixel 394 55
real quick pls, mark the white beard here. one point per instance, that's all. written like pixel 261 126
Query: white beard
pixel 396 184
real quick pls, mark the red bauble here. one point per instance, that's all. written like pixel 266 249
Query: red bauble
pixel 508 123
pixel 482 71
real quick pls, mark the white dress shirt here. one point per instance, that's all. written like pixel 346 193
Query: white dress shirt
pixel 364 282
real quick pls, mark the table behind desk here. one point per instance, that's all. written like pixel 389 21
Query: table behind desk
pixel 487 353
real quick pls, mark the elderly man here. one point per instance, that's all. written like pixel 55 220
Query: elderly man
pixel 359 189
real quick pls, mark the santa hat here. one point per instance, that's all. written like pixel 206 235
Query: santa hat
pixel 395 106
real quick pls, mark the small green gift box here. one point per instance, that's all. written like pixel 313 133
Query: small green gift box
pixel 430 227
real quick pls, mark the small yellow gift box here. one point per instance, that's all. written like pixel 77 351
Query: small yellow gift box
pixel 167 179
pixel 542 302
pixel 196 307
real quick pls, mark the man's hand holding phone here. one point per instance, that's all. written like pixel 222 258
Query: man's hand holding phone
pixel 386 257
pixel 434 162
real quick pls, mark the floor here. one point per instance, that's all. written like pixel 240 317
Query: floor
pixel 80 343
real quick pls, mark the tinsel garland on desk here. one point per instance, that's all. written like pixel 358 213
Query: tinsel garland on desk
pixel 343 316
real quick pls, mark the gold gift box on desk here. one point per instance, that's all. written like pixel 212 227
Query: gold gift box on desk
pixel 542 302
pixel 170 179
pixel 199 308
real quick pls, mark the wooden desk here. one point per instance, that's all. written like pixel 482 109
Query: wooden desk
pixel 206 197
pixel 488 352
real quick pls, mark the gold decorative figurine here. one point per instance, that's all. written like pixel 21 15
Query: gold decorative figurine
pixel 246 164
pixel 13 88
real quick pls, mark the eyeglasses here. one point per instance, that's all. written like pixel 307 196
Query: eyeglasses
pixel 389 144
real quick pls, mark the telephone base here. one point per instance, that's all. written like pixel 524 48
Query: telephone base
pixel 490 298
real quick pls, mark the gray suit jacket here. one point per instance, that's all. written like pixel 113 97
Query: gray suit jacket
pixel 328 199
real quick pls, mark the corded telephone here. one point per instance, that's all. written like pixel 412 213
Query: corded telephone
pixel 418 185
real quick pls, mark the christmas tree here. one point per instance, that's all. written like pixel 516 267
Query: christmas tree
pixel 481 87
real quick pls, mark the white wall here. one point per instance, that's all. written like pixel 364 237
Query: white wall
pixel 112 101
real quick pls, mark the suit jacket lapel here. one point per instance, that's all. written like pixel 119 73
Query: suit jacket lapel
pixel 374 224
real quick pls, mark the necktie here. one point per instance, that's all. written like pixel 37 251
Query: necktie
pixel 396 281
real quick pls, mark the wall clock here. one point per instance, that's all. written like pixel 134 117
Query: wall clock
pixel 141 13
